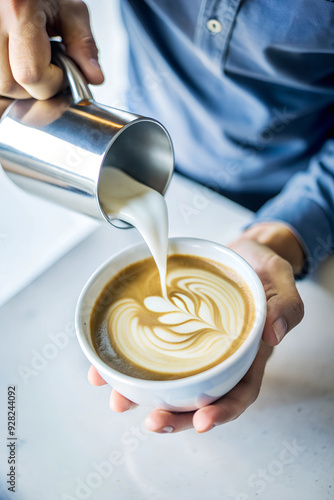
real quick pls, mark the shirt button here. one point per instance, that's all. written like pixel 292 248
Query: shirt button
pixel 214 26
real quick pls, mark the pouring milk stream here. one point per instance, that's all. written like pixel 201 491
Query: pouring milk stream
pixel 199 323
pixel 124 198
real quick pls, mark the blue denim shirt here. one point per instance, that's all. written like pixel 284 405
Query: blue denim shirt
pixel 246 90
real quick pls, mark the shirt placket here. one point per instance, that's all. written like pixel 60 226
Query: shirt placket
pixel 214 28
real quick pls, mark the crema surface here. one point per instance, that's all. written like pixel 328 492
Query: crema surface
pixel 208 314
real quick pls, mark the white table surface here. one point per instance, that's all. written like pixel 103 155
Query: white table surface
pixel 71 446
pixel 34 233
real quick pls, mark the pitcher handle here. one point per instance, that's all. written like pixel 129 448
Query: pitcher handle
pixel 78 84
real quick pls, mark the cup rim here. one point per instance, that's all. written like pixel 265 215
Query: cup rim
pixel 104 368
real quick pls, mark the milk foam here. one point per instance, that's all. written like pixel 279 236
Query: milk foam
pixel 194 329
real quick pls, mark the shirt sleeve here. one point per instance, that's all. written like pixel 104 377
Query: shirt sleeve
pixel 306 205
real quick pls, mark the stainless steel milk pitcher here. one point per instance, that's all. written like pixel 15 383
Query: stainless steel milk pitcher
pixel 58 148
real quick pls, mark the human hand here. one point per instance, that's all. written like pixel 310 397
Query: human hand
pixel 267 249
pixel 4 103
pixel 225 409
pixel 275 255
pixel 25 50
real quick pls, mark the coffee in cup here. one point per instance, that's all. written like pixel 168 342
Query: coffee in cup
pixel 130 275
pixel 207 315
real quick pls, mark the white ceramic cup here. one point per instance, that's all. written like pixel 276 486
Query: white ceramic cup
pixel 191 392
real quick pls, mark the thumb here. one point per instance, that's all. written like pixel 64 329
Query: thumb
pixel 79 41
pixel 285 308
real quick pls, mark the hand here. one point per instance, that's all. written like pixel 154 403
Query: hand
pixel 284 311
pixel 225 409
pixel 275 255
pixel 25 51
pixel 4 103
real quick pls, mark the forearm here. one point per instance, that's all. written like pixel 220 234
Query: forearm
pixel 306 205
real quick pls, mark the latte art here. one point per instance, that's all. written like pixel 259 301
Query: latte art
pixel 206 317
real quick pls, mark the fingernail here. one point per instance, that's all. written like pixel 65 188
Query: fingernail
pixel 95 63
pixel 280 328
pixel 168 428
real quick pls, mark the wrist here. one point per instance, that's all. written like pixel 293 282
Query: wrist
pixel 280 239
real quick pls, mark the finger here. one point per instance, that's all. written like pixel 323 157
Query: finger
pixel 119 403
pixel 163 421
pixel 226 409
pixel 234 403
pixel 30 56
pixel 94 377
pixel 285 308
pixel 79 41
pixel 8 86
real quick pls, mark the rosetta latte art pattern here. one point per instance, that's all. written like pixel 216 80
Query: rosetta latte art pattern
pixel 201 323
